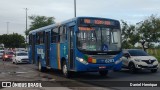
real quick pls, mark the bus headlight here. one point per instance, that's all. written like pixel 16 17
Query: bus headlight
pixel 81 60
pixel 118 61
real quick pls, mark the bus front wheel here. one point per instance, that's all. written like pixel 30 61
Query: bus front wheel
pixel 103 73
pixel 65 71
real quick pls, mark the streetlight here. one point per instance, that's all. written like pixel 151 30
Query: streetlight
pixel 74 8
pixel 26 9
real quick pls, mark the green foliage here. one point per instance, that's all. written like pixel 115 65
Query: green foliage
pixel 12 40
pixel 129 35
pixel 155 53
pixel 147 30
pixel 157 47
pixel 39 21
pixel 150 29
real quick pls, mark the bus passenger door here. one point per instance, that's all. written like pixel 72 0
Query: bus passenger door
pixel 47 48
pixel 71 47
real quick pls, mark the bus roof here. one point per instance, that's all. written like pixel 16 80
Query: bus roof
pixel 64 22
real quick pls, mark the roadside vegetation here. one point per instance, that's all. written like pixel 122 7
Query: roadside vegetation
pixel 144 34
pixel 154 52
pixel 14 40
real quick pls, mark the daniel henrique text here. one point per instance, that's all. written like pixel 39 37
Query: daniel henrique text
pixel 143 84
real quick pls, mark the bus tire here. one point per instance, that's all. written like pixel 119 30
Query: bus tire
pixel 103 73
pixel 65 71
pixel 40 67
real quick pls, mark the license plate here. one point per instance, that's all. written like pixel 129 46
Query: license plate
pixel 150 65
pixel 102 67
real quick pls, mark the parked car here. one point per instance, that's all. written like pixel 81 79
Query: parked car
pixel 1 53
pixel 21 49
pixel 136 59
pixel 20 57
pixel 7 55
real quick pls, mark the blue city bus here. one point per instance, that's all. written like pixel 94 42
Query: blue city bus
pixel 81 44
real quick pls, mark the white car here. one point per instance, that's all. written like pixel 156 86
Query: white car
pixel 1 53
pixel 136 59
pixel 20 57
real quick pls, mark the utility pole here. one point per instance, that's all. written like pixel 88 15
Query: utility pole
pixel 26 9
pixel 7 28
pixel 74 8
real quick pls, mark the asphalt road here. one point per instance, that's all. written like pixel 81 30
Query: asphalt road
pixel 79 81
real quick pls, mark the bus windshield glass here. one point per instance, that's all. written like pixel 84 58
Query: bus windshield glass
pixel 101 39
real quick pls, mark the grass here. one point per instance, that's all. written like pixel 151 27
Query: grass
pixel 154 52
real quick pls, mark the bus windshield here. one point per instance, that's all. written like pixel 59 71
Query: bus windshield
pixel 98 39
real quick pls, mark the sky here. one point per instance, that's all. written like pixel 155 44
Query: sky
pixel 132 11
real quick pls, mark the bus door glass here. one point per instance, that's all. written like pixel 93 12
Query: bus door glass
pixel 71 47
pixel 47 48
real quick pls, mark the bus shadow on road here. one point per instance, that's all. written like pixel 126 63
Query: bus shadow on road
pixel 89 76
pixel 22 63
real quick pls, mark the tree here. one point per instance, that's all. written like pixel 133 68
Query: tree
pixel 39 21
pixel 130 35
pixel 150 29
pixel 12 40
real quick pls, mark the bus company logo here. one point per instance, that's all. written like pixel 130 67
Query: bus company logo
pixel 6 84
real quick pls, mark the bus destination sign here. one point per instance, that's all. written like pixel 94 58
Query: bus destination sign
pixel 97 22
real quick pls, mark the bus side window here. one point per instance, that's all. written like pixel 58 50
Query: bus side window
pixel 55 35
pixel 37 38
pixel 62 34
pixel 42 37
pixel 30 39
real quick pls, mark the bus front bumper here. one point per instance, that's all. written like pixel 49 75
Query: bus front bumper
pixel 98 67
